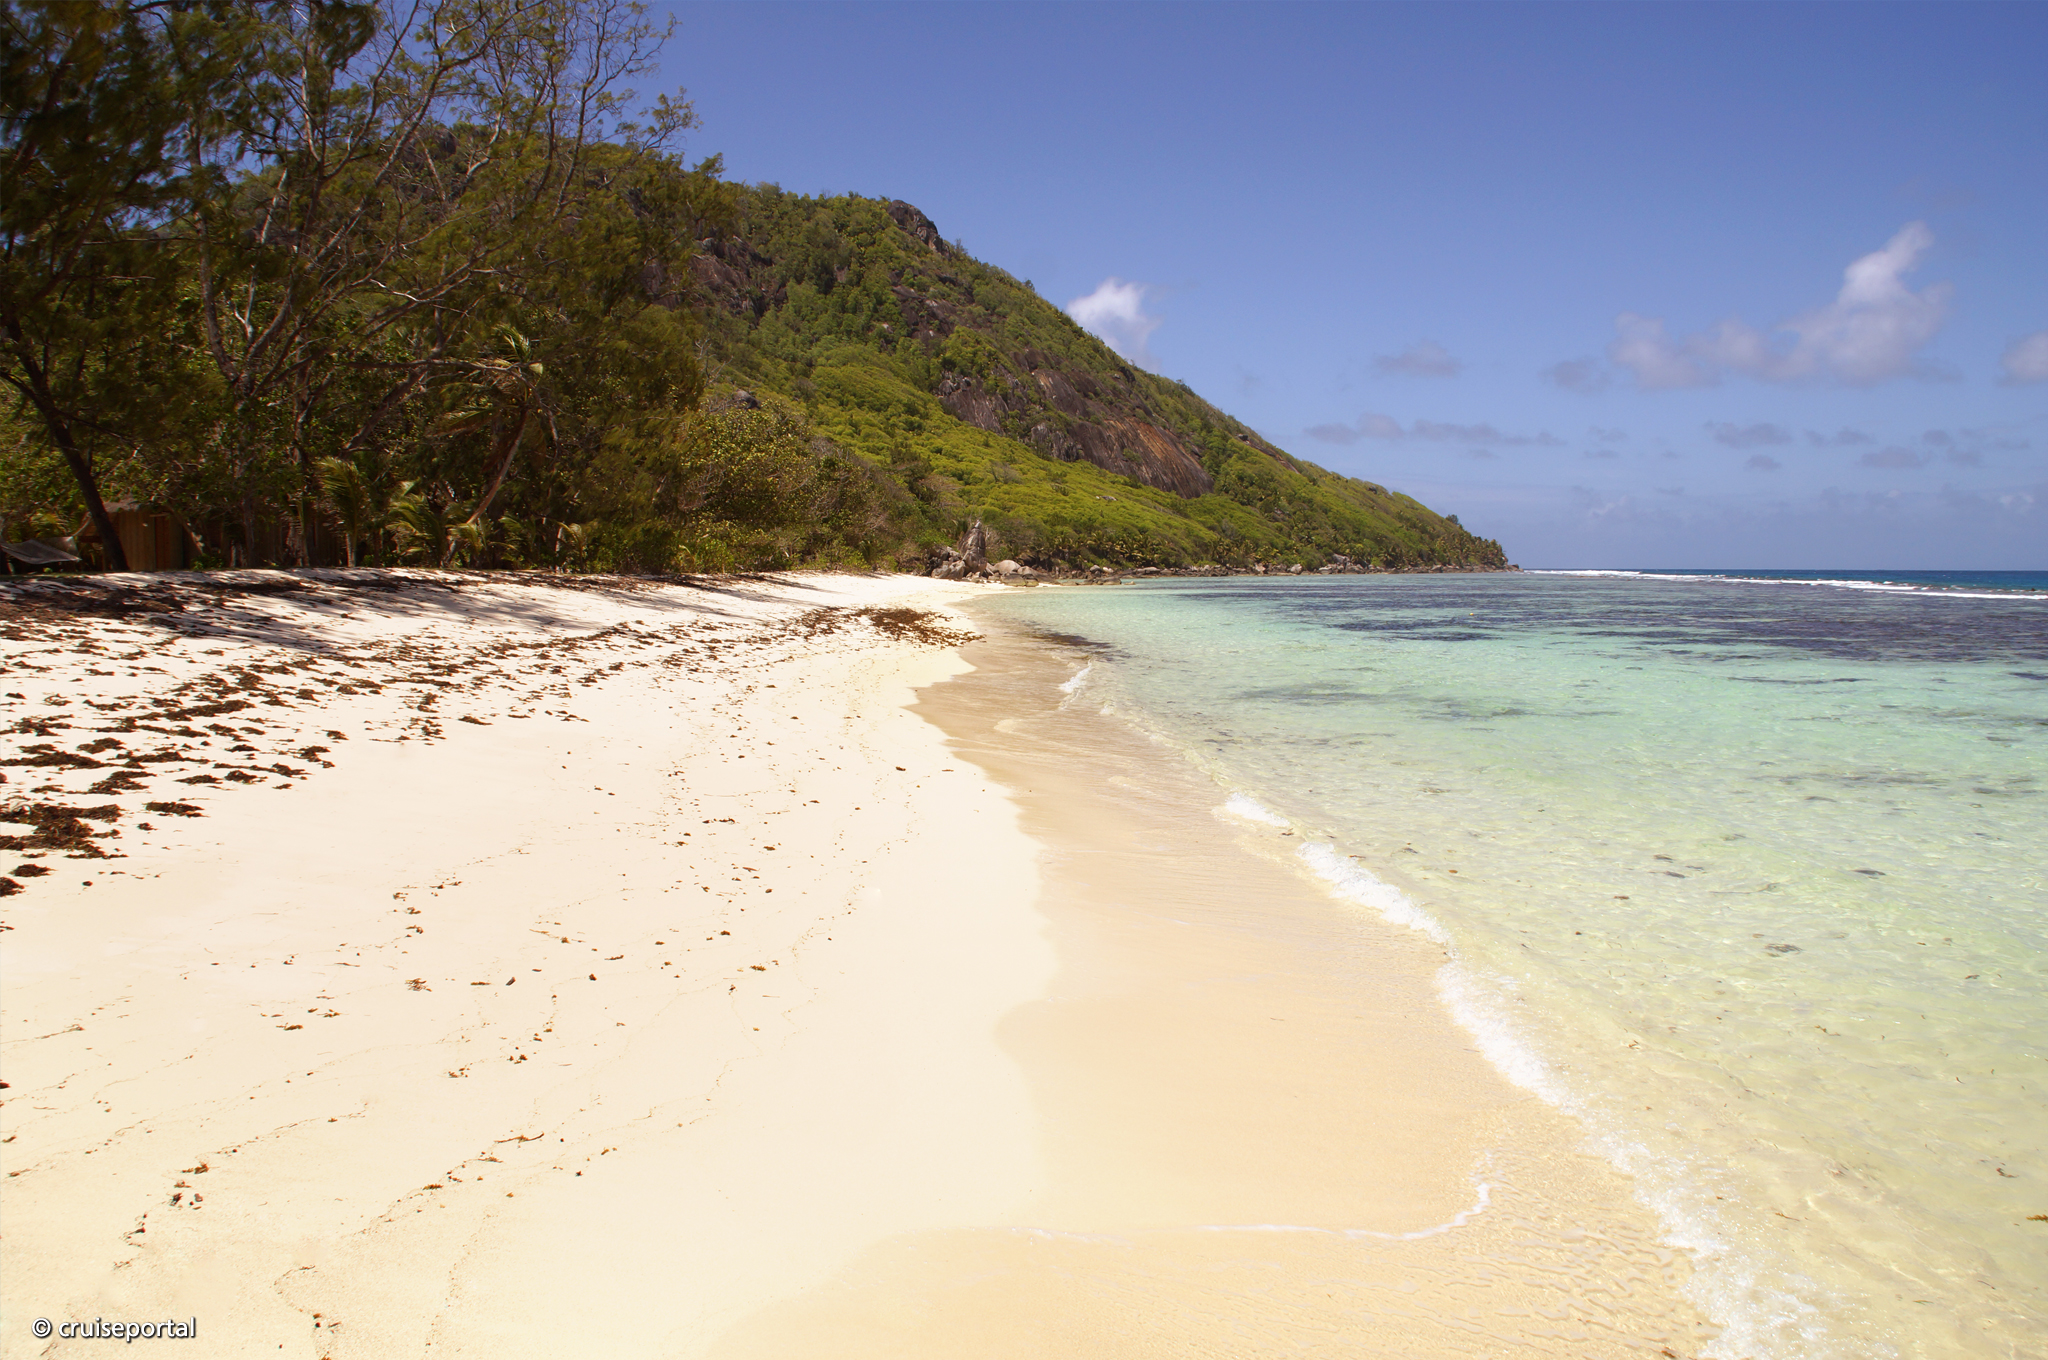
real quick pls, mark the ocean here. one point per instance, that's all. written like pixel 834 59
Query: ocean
pixel 1951 581
pixel 1743 870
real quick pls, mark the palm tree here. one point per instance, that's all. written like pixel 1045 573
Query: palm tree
pixel 362 494
pixel 345 495
pixel 432 525
pixel 505 396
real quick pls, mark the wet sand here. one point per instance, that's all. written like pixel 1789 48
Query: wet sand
pixel 1262 1133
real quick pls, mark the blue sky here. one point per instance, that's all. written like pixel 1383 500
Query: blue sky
pixel 1576 273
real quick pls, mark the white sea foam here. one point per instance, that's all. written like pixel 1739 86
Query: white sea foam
pixel 1478 1005
pixel 1553 815
pixel 1729 1287
pixel 1723 578
pixel 1251 810
pixel 1353 883
pixel 1078 679
pixel 1735 1288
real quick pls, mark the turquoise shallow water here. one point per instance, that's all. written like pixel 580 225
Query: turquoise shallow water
pixel 1749 877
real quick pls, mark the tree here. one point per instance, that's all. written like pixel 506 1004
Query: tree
pixel 397 218
pixel 83 165
pixel 505 397
pixel 362 494
pixel 237 236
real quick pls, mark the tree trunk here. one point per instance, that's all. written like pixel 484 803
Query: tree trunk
pixel 249 555
pixel 36 389
pixel 504 466
pixel 89 487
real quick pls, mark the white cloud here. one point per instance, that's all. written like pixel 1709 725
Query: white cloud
pixel 1427 359
pixel 2026 361
pixel 1577 375
pixel 1873 331
pixel 1967 446
pixel 1116 315
pixel 1441 433
pixel 1643 347
pixel 1333 434
pixel 1931 527
pixel 1372 425
pixel 1748 436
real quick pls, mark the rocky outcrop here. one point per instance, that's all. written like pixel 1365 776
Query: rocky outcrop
pixel 970 561
pixel 1063 414
pixel 1078 426
pixel 734 278
pixel 1101 575
pixel 918 227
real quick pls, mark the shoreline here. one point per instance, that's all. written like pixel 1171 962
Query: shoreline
pixel 1247 1091
pixel 957 1076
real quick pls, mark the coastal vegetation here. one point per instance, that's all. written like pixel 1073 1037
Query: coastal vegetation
pixel 424 281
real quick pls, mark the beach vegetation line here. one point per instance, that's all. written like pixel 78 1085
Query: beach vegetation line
pixel 426 282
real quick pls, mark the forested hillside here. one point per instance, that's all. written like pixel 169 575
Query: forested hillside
pixel 335 282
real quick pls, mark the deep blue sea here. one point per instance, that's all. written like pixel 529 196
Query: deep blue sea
pixel 1744 869
pixel 1880 580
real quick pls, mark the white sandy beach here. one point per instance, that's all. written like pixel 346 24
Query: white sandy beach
pixel 609 982
pixel 584 968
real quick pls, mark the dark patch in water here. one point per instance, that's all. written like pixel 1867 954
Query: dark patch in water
pixel 1309 696
pixel 1855 780
pixel 1841 625
pixel 1074 640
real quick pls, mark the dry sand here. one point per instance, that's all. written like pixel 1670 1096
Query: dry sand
pixel 611 983
pixel 446 964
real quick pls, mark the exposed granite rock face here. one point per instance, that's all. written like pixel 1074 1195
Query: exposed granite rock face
pixel 918 227
pixel 734 277
pixel 1064 415
pixel 1084 422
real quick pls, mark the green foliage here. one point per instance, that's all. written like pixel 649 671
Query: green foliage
pixel 426 528
pixel 736 485
pixel 245 238
pixel 327 284
pixel 849 352
pixel 38 498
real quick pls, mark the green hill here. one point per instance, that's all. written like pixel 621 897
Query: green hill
pixel 983 400
pixel 270 295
